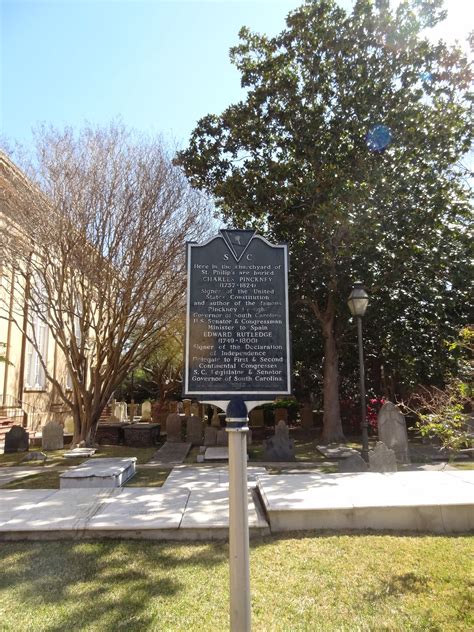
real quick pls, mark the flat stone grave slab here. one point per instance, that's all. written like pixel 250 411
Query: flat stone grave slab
pixel 207 477
pixel 20 501
pixel 421 501
pixel 216 454
pixel 208 510
pixel 99 473
pixel 63 510
pixel 10 474
pixel 141 508
pixel 77 453
pixel 336 451
pixel 171 453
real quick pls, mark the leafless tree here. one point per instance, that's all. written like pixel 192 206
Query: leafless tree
pixel 98 241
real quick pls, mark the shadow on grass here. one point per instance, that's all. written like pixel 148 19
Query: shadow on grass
pixel 97 585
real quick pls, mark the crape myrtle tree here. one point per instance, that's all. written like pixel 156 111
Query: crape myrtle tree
pixel 99 244
pixel 347 146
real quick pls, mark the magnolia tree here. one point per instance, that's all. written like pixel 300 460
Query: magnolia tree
pixel 347 145
pixel 98 242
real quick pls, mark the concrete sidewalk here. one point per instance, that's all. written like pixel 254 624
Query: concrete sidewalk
pixel 193 504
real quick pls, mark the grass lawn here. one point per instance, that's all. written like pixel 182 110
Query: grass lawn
pixel 56 457
pixel 299 583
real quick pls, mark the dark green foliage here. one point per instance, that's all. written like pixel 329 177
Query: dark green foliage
pixel 348 147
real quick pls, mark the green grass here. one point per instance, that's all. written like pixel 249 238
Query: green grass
pixel 49 479
pixel 311 583
pixel 148 477
pixel 56 457
pixel 46 479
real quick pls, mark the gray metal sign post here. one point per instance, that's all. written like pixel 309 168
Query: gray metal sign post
pixel 237 356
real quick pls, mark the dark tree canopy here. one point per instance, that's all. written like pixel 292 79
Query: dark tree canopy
pixel 348 146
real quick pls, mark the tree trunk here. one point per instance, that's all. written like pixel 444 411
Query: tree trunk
pixel 332 426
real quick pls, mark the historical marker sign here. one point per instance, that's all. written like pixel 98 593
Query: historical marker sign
pixel 237 334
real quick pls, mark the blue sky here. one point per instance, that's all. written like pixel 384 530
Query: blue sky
pixel 159 65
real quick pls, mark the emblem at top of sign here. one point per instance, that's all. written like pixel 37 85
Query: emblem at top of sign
pixel 237 241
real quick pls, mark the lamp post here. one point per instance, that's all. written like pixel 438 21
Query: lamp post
pixel 358 301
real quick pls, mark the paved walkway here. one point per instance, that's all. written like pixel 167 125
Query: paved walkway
pixel 193 504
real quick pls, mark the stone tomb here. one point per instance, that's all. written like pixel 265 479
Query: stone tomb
pixel 103 473
pixel 52 436
pixel 392 431
pixel 16 440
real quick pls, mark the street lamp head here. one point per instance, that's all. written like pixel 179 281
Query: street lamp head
pixel 358 299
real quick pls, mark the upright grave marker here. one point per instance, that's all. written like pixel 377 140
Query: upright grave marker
pixel 237 354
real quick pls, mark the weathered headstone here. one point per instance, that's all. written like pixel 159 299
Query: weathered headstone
pixel 382 459
pixel 187 407
pixel 392 431
pixel 156 416
pixel 114 411
pixel 173 428
pixel 280 447
pixel 132 411
pixel 256 417
pixel 194 430
pixel 210 436
pixel 146 411
pixel 195 412
pixel 353 463
pixel 306 414
pixel 216 420
pixel 16 440
pixel 52 436
pixel 222 438
pixel 281 414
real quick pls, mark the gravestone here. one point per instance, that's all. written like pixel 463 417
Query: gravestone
pixel 114 408
pixel 210 436
pixel 187 407
pixel 382 459
pixel 256 417
pixel 156 416
pixel 16 440
pixel 216 420
pixel 306 417
pixel 195 412
pixel 280 447
pixel 392 431
pixel 222 438
pixel 146 411
pixel 194 430
pixel 353 463
pixel 173 428
pixel 52 436
pixel 132 411
pixel 281 414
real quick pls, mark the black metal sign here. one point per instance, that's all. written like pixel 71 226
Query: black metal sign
pixel 237 333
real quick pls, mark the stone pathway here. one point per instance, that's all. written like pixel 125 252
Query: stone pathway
pixel 170 454
pixel 193 505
